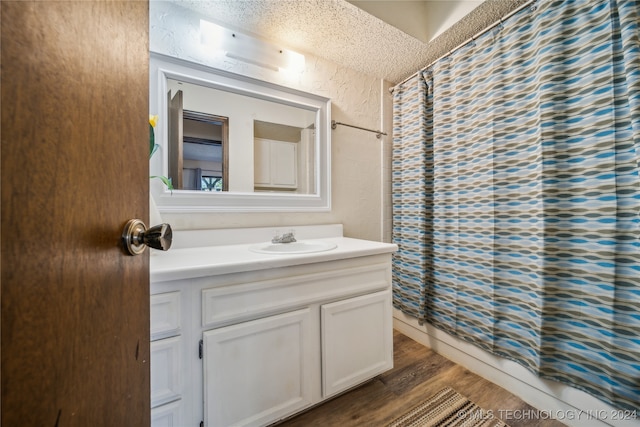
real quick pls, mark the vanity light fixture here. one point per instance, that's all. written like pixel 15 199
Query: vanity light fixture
pixel 249 49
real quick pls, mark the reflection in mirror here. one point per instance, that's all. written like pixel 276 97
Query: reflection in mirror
pixel 198 147
pixel 284 157
pixel 233 143
pixel 205 124
pixel 204 153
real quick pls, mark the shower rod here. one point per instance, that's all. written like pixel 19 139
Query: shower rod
pixel 378 133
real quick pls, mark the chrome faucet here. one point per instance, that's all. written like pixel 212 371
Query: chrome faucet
pixel 285 238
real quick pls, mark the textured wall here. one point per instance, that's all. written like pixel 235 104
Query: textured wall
pixel 360 162
pixel 357 156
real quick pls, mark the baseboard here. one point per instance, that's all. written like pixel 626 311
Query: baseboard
pixel 553 400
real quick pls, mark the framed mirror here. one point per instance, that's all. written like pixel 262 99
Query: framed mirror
pixel 233 143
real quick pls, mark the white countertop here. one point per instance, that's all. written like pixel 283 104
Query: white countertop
pixel 185 263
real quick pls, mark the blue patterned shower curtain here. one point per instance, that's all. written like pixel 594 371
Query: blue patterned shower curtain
pixel 516 194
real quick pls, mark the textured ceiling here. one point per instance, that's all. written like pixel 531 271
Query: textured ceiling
pixel 342 33
pixel 422 19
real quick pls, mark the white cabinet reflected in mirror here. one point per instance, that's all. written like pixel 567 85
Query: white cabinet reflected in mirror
pixel 232 143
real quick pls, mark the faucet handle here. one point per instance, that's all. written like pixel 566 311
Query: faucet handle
pixel 289 237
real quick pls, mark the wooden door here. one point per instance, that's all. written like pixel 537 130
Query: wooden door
pixel 75 308
pixel 176 138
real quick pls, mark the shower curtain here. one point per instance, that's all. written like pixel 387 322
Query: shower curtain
pixel 516 194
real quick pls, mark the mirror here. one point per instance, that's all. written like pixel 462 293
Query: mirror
pixel 233 143
pixel 277 139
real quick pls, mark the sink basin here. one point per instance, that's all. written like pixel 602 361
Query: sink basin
pixel 300 247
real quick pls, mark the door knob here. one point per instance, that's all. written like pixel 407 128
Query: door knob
pixel 136 237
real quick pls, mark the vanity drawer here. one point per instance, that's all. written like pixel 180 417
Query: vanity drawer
pixel 168 415
pixel 165 371
pixel 225 305
pixel 165 315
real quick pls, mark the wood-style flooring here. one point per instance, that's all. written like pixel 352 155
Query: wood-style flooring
pixel 418 373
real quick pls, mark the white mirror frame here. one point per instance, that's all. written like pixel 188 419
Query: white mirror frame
pixel 163 67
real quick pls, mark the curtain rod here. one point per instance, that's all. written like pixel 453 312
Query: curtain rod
pixel 377 132
pixel 491 26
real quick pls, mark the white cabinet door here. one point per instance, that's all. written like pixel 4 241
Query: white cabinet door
pixel 357 341
pixel 257 372
pixel 284 164
pixel 275 164
pixel 262 162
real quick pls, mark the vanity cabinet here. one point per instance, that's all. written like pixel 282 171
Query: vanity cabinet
pixel 166 392
pixel 249 348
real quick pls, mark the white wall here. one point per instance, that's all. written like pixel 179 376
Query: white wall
pixel 358 158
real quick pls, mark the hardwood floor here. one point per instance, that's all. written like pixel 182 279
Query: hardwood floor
pixel 419 372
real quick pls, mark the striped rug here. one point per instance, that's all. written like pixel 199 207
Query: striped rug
pixel 447 408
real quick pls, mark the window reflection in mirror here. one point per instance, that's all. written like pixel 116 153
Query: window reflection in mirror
pixel 224 141
pixel 205 144
pixel 198 156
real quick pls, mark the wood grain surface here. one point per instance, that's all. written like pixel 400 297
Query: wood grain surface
pixel 75 135
pixel 419 372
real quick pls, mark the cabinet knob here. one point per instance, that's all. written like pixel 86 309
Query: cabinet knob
pixel 136 237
